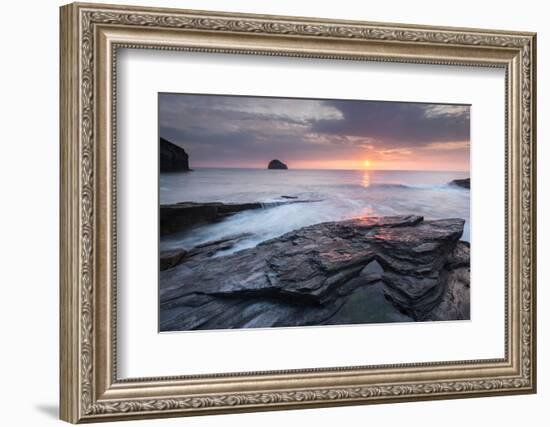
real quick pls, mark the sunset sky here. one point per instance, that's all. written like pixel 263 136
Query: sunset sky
pixel 248 132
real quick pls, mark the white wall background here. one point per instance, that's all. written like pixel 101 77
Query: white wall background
pixel 29 170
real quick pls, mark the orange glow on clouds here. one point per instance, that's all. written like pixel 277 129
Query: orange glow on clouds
pixel 452 156
pixel 442 163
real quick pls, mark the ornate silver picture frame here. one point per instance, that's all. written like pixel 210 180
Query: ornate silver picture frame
pixel 91 37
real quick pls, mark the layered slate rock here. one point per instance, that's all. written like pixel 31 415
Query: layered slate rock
pixel 365 270
pixel 276 164
pixel 172 157
pixel 171 258
pixel 181 216
pixel 464 183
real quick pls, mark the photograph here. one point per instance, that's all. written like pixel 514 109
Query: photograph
pixel 280 212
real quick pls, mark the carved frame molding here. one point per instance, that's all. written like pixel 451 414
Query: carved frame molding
pixel 90 37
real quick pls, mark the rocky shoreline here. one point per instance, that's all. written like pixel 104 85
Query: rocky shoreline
pixel 363 270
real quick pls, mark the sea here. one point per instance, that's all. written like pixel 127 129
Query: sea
pixel 338 195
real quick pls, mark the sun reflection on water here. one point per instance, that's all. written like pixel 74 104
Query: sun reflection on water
pixel 365 182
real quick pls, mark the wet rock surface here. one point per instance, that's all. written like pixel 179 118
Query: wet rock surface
pixel 365 270
pixel 171 258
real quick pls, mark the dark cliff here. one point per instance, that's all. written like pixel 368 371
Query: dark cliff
pixel 172 157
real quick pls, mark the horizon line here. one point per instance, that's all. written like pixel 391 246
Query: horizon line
pixel 332 169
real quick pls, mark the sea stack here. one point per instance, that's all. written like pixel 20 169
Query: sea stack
pixel 276 164
pixel 172 157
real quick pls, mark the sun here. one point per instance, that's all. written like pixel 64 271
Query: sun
pixel 366 164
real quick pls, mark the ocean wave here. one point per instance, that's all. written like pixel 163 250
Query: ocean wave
pixel 338 196
pixel 395 186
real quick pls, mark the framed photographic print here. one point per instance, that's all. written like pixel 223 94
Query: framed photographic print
pixel 265 212
pixel 327 239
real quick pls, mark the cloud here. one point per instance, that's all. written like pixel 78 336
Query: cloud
pixel 253 130
pixel 297 111
pixel 394 153
pixel 445 110
pixel 399 124
pixel 448 146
